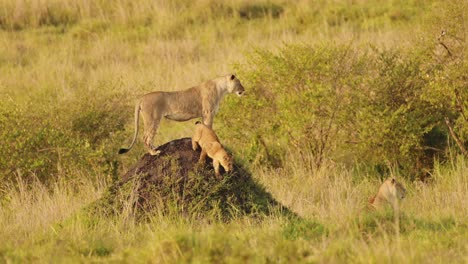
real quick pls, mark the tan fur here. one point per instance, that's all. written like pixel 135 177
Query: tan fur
pixel 206 138
pixel 390 192
pixel 199 101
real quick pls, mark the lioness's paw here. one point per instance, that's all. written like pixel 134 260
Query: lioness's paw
pixel 154 152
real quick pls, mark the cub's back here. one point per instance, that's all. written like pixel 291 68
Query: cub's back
pixel 206 134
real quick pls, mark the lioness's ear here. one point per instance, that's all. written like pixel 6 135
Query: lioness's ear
pixel 233 77
pixel 393 180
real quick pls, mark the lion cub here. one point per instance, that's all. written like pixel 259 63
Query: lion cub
pixel 390 192
pixel 206 138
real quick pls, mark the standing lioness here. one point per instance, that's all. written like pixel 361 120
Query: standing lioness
pixel 199 101
pixel 206 138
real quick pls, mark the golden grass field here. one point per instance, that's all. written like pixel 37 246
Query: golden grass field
pixel 60 57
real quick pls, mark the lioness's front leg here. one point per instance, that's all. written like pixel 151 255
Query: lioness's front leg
pixel 207 118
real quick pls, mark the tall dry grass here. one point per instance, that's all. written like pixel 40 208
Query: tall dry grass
pixel 334 192
pixel 40 224
pixel 30 209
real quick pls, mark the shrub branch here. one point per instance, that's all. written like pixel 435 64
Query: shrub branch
pixel 454 136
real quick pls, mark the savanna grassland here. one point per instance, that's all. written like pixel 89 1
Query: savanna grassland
pixel 339 96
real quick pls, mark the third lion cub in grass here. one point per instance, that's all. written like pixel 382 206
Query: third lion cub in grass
pixel 390 192
pixel 206 138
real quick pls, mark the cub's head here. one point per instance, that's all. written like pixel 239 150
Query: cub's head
pixel 400 189
pixel 396 188
pixel 389 193
pixel 227 162
pixel 234 85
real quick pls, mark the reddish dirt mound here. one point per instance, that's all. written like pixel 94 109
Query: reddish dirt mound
pixel 171 182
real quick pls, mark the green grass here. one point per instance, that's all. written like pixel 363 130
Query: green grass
pixel 71 70
pixel 37 224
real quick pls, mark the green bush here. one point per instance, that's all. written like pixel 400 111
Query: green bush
pixel 393 121
pixel 344 104
pixel 51 141
pixel 297 97
pixel 32 144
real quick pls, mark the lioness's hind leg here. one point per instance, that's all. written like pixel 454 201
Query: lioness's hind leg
pixel 149 146
pixel 150 131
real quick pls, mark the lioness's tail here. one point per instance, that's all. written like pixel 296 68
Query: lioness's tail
pixel 137 118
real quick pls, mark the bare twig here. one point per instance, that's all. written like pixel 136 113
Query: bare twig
pixel 51 149
pixel 446 48
pixel 454 136
pixel 442 34
pixel 459 103
pixel 432 148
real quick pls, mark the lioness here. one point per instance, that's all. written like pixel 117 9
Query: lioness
pixel 389 193
pixel 199 101
pixel 206 138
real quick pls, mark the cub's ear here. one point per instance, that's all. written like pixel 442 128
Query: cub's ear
pixel 233 77
pixel 393 180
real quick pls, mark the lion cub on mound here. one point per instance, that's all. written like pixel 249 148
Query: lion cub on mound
pixel 390 192
pixel 206 138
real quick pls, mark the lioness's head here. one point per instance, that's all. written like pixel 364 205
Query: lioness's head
pixel 227 162
pixel 234 85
